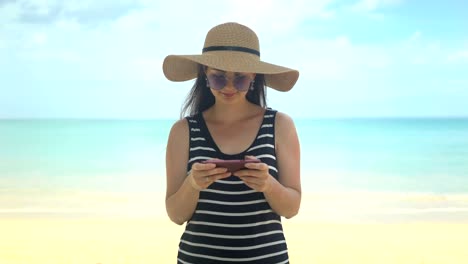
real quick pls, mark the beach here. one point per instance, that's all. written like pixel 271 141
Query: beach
pixel 138 240
pixel 373 192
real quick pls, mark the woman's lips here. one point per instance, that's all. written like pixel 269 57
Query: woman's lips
pixel 228 94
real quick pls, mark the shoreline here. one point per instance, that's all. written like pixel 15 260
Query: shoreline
pixel 329 206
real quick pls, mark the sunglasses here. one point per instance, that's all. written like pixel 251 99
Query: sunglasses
pixel 218 81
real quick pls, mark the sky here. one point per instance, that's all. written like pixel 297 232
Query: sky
pixel 357 58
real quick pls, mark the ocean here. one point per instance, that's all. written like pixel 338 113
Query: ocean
pixel 82 166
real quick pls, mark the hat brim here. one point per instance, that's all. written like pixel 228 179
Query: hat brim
pixel 180 68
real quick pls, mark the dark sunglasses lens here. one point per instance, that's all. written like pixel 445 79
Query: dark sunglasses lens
pixel 217 82
pixel 242 83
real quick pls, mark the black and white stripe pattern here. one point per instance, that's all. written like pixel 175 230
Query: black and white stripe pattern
pixel 232 222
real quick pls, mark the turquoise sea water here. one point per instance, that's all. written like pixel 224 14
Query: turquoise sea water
pixel 423 155
pixel 45 157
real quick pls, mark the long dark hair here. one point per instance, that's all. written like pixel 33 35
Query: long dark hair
pixel 200 97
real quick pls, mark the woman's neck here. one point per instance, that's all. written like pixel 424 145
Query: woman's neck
pixel 222 113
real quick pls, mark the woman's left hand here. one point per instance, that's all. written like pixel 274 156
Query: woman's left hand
pixel 256 176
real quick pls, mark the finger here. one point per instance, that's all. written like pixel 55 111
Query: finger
pixel 222 175
pixel 199 175
pixel 203 166
pixel 208 180
pixel 256 184
pixel 250 179
pixel 256 166
pixel 216 171
pixel 254 173
pixel 212 172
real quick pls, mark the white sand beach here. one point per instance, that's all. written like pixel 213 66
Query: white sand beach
pixel 118 240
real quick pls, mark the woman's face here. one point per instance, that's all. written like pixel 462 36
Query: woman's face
pixel 229 85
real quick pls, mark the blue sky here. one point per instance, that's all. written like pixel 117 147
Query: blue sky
pixel 102 59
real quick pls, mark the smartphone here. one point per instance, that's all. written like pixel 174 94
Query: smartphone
pixel 231 165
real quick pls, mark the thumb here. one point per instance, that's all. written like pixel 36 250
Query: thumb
pixel 250 157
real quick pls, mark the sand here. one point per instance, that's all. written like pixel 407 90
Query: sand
pixel 125 241
pixel 317 235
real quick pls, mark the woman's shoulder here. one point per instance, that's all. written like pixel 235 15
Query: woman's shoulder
pixel 285 131
pixel 183 122
pixel 180 127
pixel 283 120
pixel 284 125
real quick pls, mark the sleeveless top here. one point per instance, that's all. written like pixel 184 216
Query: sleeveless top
pixel 233 223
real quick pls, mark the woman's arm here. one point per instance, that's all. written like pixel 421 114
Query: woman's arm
pixel 181 198
pixel 283 195
pixel 183 190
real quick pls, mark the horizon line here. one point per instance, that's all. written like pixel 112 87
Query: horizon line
pixel 174 119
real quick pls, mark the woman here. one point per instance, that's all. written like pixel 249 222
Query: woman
pixel 231 217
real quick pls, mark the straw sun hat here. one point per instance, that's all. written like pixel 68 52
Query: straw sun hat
pixel 230 47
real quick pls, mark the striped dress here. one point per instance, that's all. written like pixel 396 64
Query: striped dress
pixel 233 223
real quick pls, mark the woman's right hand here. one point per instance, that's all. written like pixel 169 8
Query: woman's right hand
pixel 203 175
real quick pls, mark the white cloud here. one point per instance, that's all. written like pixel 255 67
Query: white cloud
pixel 61 55
pixel 86 12
pixel 269 16
pixel 373 9
pixel 68 24
pixel 415 37
pixel 418 50
pixel 125 43
pixel 3 43
pixel 458 56
pixel 374 5
pixel 338 58
pixel 39 38
pixel 145 68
